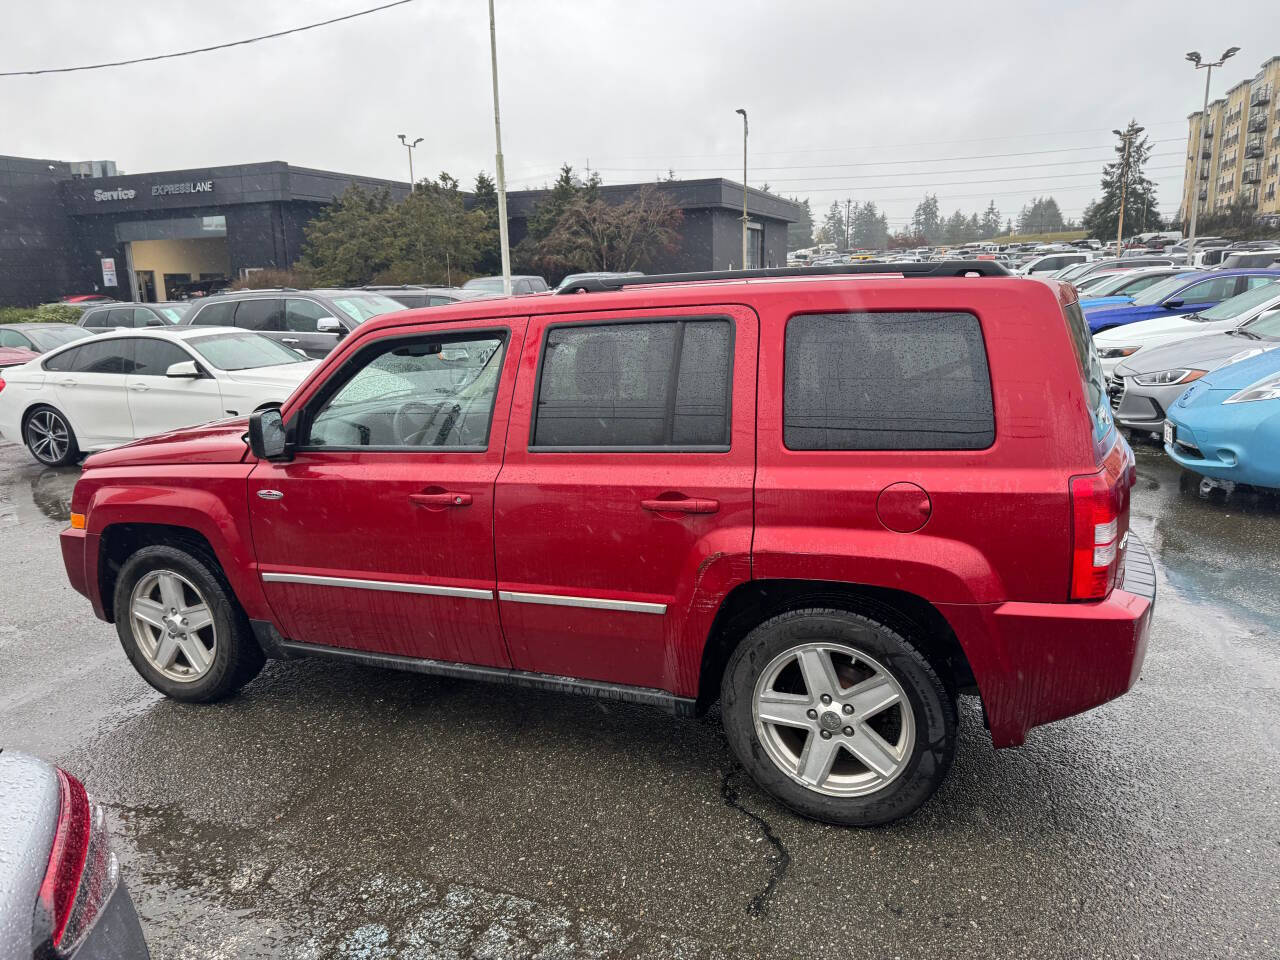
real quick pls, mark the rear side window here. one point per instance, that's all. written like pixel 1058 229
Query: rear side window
pixel 663 384
pixel 96 319
pixel 886 381
pixel 1095 382
pixel 216 315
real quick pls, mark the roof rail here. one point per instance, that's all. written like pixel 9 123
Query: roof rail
pixel 227 291
pixel 938 268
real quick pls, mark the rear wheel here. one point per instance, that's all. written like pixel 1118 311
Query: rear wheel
pixel 181 627
pixel 49 437
pixel 838 716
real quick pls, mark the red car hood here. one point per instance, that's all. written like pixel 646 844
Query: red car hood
pixel 217 442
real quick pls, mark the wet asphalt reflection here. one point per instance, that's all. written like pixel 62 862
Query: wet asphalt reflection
pixel 339 811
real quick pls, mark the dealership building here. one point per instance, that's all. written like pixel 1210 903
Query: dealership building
pixel 81 227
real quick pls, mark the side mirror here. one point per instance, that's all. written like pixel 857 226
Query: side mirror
pixel 329 325
pixel 267 437
pixel 186 370
pixel 1173 304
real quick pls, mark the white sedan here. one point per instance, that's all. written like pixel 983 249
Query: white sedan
pixel 1118 343
pixel 122 386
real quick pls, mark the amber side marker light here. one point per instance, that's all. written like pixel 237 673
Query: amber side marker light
pixel 77 521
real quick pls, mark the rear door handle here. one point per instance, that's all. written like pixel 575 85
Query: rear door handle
pixel 140 387
pixel 291 341
pixel 447 499
pixel 67 383
pixel 690 505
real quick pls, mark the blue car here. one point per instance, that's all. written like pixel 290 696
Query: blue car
pixel 1226 425
pixel 1185 293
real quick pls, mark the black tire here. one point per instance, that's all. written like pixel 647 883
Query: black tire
pixel 922 769
pixel 237 657
pixel 41 416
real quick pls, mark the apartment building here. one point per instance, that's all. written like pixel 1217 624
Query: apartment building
pixel 1238 159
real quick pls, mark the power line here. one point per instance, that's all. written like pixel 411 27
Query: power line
pixel 882 163
pixel 951 183
pixel 219 46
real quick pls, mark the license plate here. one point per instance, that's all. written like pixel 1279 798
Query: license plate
pixel 1168 432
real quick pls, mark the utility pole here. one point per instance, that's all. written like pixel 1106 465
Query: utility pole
pixel 409 146
pixel 1194 199
pixel 848 202
pixel 503 239
pixel 744 186
pixel 1127 137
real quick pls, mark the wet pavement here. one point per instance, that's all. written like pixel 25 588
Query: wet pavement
pixel 334 811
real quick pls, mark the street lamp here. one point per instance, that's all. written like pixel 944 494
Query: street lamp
pixel 409 146
pixel 504 241
pixel 1194 198
pixel 744 186
pixel 1127 137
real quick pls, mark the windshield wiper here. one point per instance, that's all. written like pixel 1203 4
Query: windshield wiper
pixel 1242 332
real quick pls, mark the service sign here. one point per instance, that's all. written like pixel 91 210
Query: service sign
pixel 109 272
pixel 119 193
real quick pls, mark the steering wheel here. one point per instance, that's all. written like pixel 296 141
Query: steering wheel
pixel 410 422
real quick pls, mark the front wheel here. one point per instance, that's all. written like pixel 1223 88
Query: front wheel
pixel 181 627
pixel 49 437
pixel 838 716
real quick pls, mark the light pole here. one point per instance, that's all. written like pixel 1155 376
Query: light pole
pixel 1194 57
pixel 744 186
pixel 409 146
pixel 502 177
pixel 1127 137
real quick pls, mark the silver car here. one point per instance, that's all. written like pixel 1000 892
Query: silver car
pixel 1145 385
pixel 60 889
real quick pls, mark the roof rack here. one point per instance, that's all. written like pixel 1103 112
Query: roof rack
pixel 936 268
pixel 227 291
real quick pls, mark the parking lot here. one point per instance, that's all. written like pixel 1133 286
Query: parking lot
pixel 339 811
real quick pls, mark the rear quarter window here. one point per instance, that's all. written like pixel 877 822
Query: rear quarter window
pixel 1091 375
pixel 887 381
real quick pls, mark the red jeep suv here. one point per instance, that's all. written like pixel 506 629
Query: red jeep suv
pixel 831 500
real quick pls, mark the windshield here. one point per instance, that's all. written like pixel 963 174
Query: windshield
pixel 1236 306
pixel 243 351
pixel 1108 284
pixel 55 335
pixel 173 312
pixel 364 306
pixel 1159 291
pixel 1070 273
pixel 1266 326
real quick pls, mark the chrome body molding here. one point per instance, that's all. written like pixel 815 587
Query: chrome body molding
pixel 391 586
pixel 591 603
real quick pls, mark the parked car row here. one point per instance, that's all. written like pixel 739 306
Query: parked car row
pixel 1206 380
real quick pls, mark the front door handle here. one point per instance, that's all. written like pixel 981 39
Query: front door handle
pixel 291 341
pixel 140 387
pixel 67 383
pixel 687 505
pixel 448 498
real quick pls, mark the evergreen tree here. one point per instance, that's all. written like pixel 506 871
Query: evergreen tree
pixel 1042 215
pixel 834 228
pixel 870 227
pixel 990 221
pixel 927 220
pixel 1141 211
pixel 800 233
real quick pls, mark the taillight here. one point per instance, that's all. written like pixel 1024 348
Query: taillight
pixel 81 875
pixel 1095 512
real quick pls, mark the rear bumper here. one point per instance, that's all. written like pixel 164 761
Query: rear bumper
pixel 1040 662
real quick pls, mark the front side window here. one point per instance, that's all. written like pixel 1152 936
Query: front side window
pixel 216 315
pixel 260 315
pixel 421 393
pixel 153 358
pixel 646 385
pixel 886 381
pixel 300 316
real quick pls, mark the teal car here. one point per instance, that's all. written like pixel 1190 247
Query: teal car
pixel 1226 425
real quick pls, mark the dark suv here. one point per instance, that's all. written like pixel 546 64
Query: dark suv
pixel 117 316
pixel 312 321
pixel 832 502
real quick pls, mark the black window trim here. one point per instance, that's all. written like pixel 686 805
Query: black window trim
pixel 896 451
pixel 718 448
pixel 301 422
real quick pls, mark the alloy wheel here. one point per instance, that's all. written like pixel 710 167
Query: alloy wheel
pixel 48 436
pixel 833 719
pixel 173 625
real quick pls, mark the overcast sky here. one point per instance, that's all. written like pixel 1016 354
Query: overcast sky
pixel 866 100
